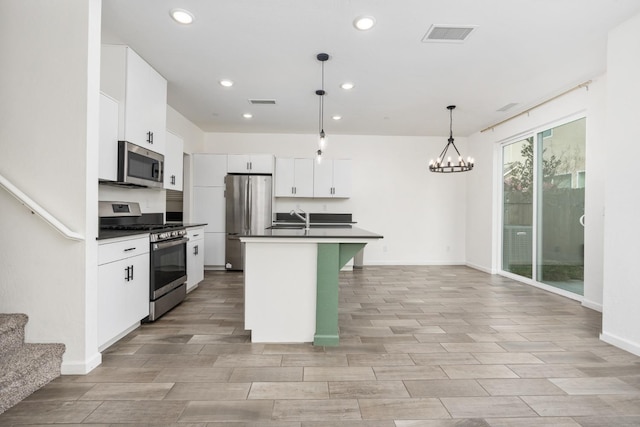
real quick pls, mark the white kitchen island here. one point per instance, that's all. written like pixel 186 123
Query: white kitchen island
pixel 291 282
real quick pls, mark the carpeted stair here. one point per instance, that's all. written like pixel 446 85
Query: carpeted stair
pixel 24 368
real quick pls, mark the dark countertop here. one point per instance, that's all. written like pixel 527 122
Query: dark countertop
pixel 317 233
pixel 114 234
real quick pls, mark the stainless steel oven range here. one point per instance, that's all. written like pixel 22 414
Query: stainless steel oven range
pixel 168 270
pixel 167 254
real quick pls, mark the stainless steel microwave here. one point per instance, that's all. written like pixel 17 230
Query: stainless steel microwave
pixel 139 166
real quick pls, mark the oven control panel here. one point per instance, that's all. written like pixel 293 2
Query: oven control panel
pixel 167 235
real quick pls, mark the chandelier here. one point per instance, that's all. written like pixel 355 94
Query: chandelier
pixel 322 57
pixel 447 166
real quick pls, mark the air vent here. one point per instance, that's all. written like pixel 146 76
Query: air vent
pixel 448 33
pixel 507 107
pixel 263 101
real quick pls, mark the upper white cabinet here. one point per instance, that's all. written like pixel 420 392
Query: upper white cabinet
pixel 209 170
pixel 332 178
pixel 294 177
pixel 173 163
pixel 250 163
pixel 141 93
pixel 108 145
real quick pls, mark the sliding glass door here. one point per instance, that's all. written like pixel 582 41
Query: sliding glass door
pixel 543 206
pixel 517 207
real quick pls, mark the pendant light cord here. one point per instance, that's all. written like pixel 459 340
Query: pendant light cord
pixel 321 118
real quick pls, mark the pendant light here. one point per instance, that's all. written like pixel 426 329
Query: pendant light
pixel 447 166
pixel 322 143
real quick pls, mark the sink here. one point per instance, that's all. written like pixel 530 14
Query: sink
pixel 293 226
pixel 286 226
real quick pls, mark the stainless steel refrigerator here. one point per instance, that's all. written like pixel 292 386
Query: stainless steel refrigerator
pixel 248 211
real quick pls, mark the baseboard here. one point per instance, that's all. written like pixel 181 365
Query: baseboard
pixel 622 343
pixel 400 263
pixel 480 268
pixel 81 368
pixel 592 305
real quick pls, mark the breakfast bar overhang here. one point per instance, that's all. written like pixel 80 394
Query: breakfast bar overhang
pixel 291 282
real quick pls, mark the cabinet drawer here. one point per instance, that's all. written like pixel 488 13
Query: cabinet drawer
pixel 113 251
pixel 195 233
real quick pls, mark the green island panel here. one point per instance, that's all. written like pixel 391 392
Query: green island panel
pixel 331 258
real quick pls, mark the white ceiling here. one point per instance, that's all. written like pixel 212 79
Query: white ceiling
pixel 522 51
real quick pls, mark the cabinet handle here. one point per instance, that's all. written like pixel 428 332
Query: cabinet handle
pixel 126 278
pixel 195 250
pixel 250 165
pixel 130 249
pixel 132 272
pixel 196 235
pixel 173 180
pixel 150 137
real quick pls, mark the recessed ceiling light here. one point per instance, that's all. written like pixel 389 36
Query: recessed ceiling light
pixel 182 16
pixel 336 117
pixel 247 115
pixel 364 23
pixel 347 86
pixel 226 83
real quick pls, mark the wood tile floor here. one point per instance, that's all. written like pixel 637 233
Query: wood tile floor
pixel 420 346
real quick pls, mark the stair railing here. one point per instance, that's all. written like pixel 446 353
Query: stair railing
pixel 35 208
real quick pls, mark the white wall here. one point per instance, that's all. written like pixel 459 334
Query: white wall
pixel 421 214
pixel 48 139
pixel 483 239
pixel 192 136
pixel 621 314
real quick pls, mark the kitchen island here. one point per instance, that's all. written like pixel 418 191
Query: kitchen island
pixel 291 282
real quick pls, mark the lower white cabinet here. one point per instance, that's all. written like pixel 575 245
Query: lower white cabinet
pixel 214 249
pixel 195 257
pixel 123 287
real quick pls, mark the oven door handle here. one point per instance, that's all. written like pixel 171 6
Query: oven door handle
pixel 164 245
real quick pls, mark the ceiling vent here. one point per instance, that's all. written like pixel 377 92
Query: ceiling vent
pixel 507 107
pixel 263 101
pixel 448 33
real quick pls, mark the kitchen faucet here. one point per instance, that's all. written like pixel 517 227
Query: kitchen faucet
pixel 305 218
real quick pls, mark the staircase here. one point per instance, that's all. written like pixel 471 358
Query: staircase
pixel 24 368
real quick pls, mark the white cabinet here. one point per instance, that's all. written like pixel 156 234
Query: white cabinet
pixel 209 205
pixel 195 257
pixel 294 177
pixel 123 287
pixel 250 163
pixel 173 162
pixel 209 170
pixel 214 249
pixel 108 143
pixel 141 93
pixel 332 178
